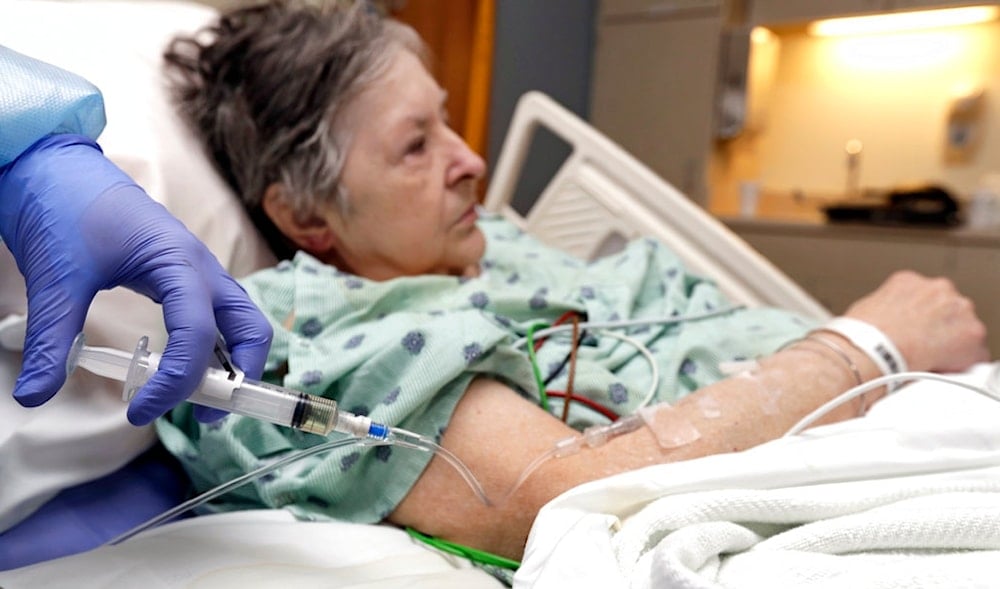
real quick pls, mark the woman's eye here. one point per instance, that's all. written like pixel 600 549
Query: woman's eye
pixel 417 146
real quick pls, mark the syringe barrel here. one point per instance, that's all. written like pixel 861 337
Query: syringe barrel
pixel 272 403
pixel 231 392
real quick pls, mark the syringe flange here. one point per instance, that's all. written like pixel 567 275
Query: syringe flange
pixel 138 370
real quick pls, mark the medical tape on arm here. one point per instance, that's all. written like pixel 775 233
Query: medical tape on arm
pixel 708 405
pixel 768 391
pixel 768 380
pixel 669 426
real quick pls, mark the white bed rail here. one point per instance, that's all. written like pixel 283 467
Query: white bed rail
pixel 601 196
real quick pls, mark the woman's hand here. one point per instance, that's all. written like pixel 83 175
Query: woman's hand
pixel 934 326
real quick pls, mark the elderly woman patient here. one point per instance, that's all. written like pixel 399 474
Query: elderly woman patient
pixel 398 299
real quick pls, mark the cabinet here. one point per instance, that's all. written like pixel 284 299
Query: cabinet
pixel 769 12
pixel 839 264
pixel 653 89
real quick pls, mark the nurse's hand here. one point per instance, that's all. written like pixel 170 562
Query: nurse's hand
pixel 77 224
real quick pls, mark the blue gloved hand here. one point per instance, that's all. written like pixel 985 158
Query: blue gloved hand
pixel 77 224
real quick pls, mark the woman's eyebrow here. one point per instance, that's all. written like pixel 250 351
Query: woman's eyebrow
pixel 411 121
pixel 421 121
pixel 444 106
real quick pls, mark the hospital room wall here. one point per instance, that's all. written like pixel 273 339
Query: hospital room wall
pixel 546 46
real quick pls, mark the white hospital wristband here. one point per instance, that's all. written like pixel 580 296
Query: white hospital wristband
pixel 870 340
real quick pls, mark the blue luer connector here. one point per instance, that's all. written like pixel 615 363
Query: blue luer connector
pixel 378 431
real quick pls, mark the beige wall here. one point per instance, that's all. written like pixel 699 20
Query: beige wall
pixel 218 3
pixel 895 99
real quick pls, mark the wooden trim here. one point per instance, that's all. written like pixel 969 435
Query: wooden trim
pixel 480 78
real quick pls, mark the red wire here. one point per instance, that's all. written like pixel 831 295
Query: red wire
pixel 585 401
pixel 562 319
pixel 562 394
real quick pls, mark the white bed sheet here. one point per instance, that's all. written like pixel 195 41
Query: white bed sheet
pixel 266 548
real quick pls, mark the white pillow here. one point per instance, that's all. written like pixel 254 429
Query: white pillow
pixel 82 433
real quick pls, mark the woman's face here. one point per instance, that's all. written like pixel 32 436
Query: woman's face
pixel 410 181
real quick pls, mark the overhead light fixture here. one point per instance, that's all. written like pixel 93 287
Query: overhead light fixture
pixel 903 21
pixel 761 35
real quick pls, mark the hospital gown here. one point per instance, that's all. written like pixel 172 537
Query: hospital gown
pixel 403 352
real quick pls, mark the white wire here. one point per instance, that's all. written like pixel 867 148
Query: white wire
pixel 625 323
pixel 874 384
pixel 649 358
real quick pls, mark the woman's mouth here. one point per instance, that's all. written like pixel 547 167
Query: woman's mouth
pixel 468 217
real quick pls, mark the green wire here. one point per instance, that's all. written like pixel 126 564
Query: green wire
pixel 542 395
pixel 480 556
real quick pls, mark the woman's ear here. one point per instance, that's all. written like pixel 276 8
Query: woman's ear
pixel 311 234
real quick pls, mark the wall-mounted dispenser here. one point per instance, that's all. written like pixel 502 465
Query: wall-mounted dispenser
pixel 964 126
pixel 731 88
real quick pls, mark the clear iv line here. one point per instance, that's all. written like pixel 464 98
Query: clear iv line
pixel 237 482
pixel 396 437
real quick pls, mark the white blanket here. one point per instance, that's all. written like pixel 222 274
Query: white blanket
pixel 909 496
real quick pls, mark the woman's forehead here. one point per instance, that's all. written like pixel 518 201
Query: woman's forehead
pixel 405 94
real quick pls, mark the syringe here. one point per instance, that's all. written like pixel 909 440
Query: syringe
pixel 226 388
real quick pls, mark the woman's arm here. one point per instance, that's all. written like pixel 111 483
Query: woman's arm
pixel 498 434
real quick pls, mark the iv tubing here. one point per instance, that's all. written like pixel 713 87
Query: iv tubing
pixel 407 439
pixel 592 437
pixel 238 482
pixel 397 437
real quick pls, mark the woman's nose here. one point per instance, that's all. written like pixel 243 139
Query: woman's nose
pixel 466 163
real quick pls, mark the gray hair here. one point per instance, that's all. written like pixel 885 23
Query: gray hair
pixel 266 87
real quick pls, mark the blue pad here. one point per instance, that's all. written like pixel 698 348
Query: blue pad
pixel 86 516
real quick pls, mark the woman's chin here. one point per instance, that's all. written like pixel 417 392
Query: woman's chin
pixel 470 250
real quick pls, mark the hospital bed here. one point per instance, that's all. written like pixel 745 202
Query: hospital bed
pixel 910 489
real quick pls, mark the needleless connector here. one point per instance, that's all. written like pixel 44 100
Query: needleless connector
pixel 226 388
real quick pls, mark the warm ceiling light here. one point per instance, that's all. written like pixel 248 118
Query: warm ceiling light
pixel 903 21
pixel 760 35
